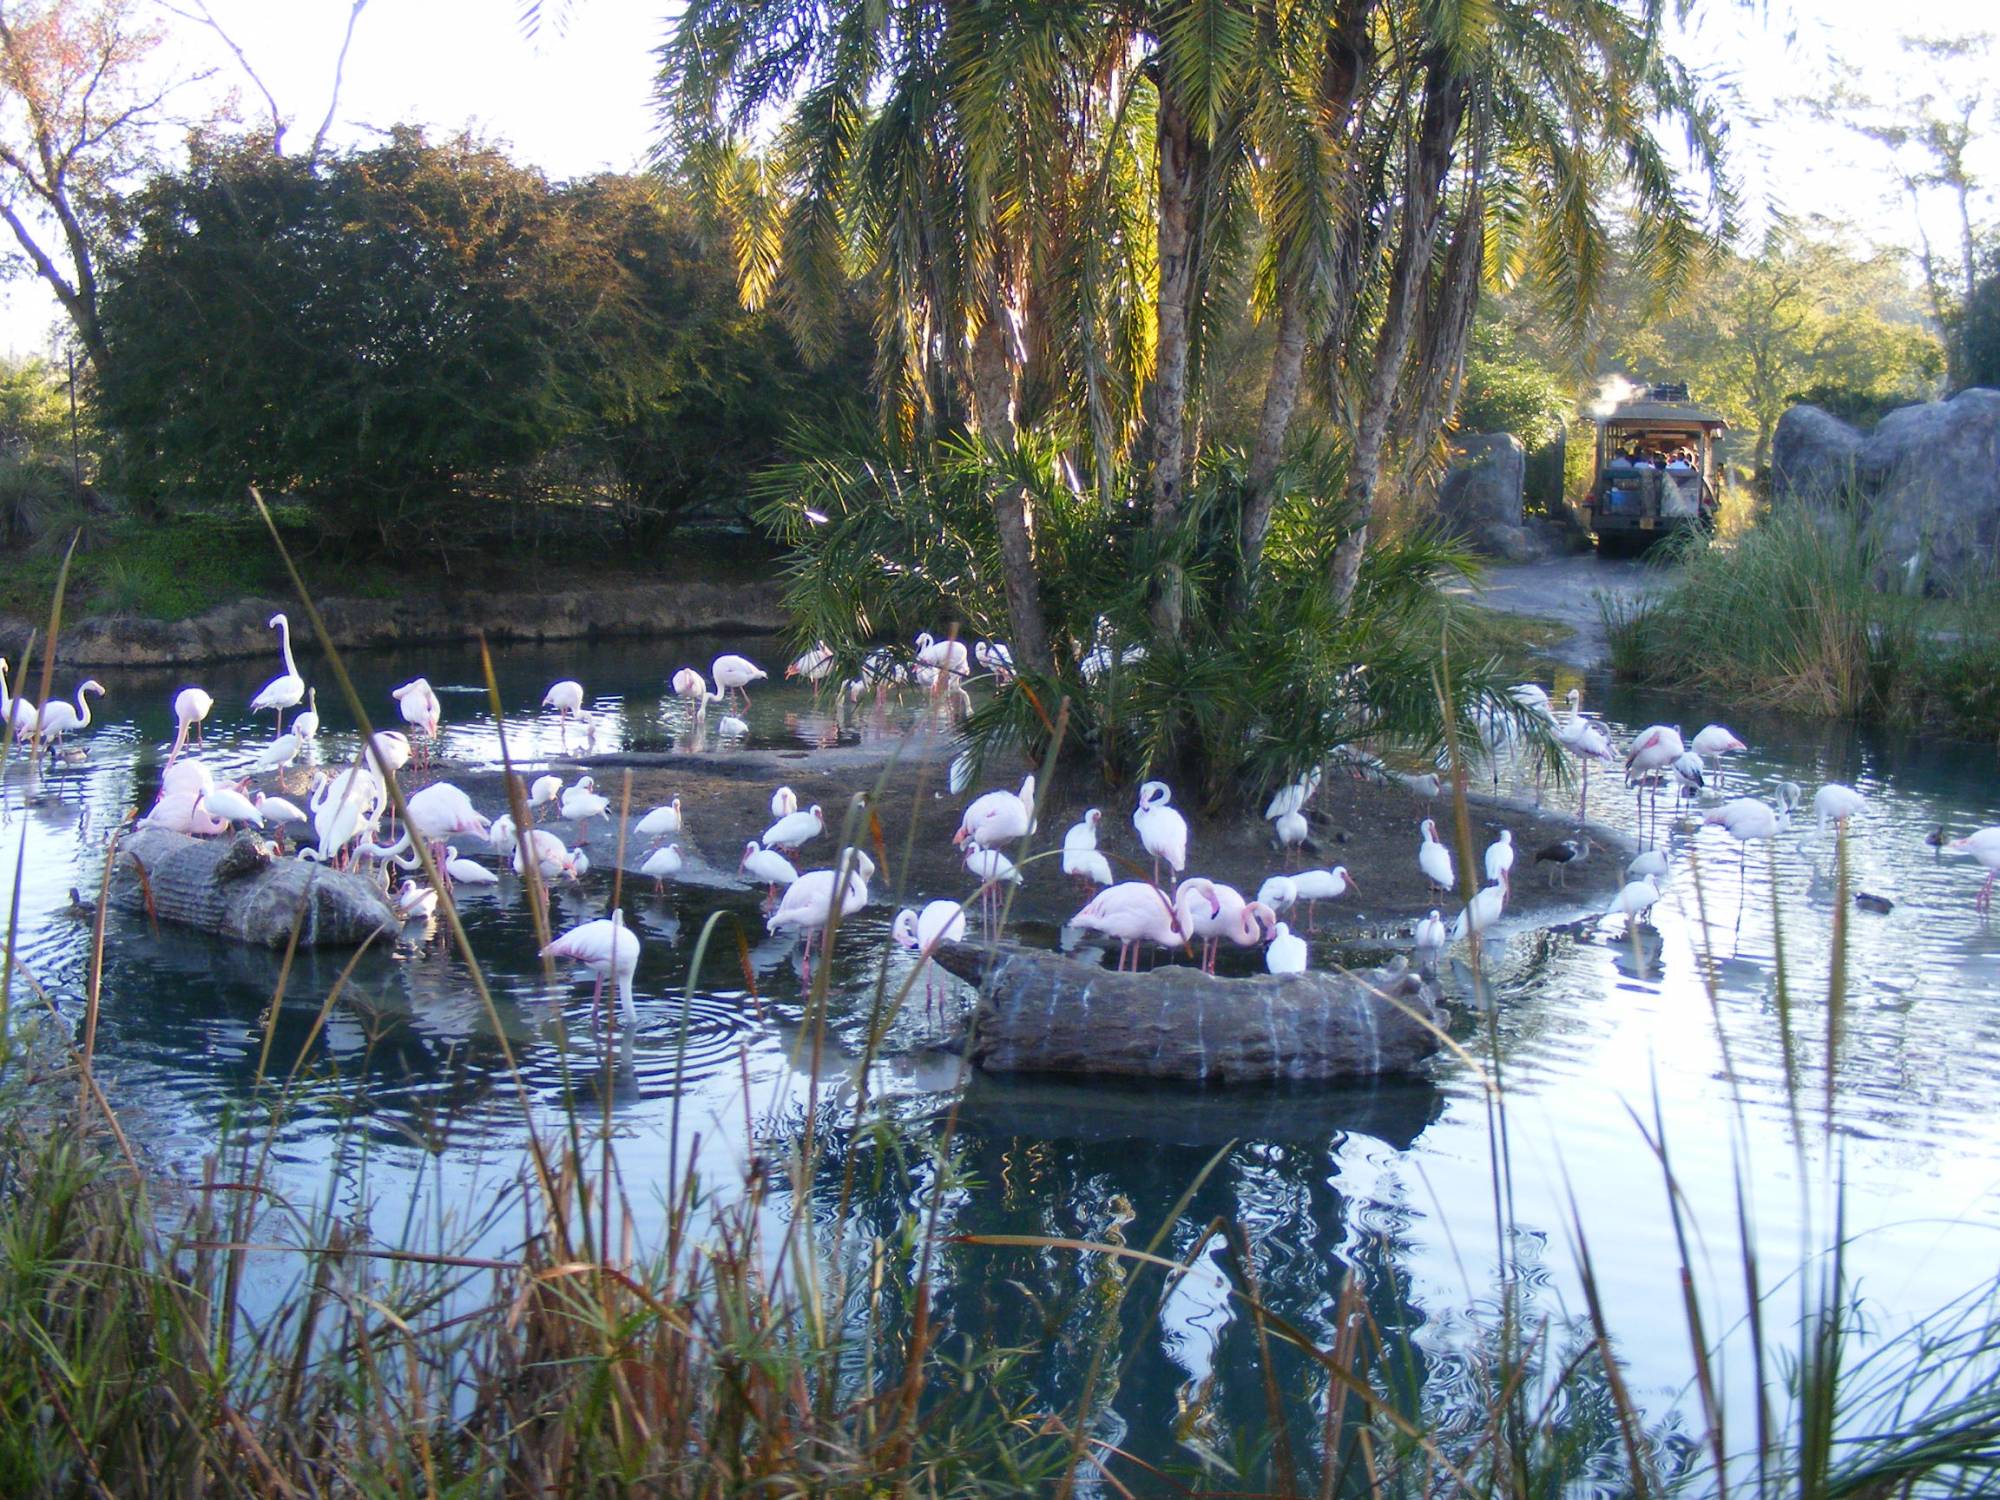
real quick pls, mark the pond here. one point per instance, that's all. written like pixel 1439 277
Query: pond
pixel 408 1118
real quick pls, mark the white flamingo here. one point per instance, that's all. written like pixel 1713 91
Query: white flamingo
pixel 610 950
pixel 735 673
pixel 998 818
pixel 288 688
pixel 1163 832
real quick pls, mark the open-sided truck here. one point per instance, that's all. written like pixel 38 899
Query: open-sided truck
pixel 1655 471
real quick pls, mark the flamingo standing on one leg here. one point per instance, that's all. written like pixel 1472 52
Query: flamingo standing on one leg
pixel 610 950
pixel 1983 846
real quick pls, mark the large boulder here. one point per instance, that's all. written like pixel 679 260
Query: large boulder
pixel 1480 500
pixel 1813 455
pixel 1933 474
pixel 1039 1012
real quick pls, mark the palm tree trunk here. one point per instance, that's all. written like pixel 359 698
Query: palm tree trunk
pixel 993 409
pixel 1423 218
pixel 1170 369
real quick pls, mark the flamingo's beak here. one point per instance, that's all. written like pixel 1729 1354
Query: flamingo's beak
pixel 958 839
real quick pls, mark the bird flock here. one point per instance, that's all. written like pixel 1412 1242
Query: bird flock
pixel 346 808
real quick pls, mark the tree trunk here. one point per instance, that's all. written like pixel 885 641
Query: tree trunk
pixel 1170 370
pixel 993 409
pixel 1347 64
pixel 1423 217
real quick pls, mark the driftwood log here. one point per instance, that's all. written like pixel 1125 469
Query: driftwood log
pixel 1042 1013
pixel 237 889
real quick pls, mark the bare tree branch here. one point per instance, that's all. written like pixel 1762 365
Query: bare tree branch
pixel 339 69
pixel 203 16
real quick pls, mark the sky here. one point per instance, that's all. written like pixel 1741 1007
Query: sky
pixel 578 99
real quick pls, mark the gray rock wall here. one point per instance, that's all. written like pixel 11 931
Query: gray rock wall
pixel 240 630
pixel 1481 496
pixel 1927 479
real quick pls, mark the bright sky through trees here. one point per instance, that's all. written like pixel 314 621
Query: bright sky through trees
pixel 579 100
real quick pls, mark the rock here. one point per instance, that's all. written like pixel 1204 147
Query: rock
pixel 241 630
pixel 235 889
pixel 1932 474
pixel 1480 499
pixel 1813 455
pixel 1042 1013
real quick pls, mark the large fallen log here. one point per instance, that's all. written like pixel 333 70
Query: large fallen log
pixel 235 888
pixel 1039 1012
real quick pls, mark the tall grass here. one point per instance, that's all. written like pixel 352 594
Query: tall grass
pixel 1805 612
pixel 777 1339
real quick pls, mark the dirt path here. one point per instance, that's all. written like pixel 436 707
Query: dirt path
pixel 1566 590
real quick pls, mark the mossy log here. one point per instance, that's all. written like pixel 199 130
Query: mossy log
pixel 237 888
pixel 1039 1012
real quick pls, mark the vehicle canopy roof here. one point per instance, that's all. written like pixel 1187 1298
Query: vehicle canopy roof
pixel 1659 407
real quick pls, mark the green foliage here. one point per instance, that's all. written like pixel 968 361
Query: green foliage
pixel 1243 699
pixel 1508 388
pixel 1791 616
pixel 403 335
pixel 1979 335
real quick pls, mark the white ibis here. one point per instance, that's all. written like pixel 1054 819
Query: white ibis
pixel 1480 913
pixel 1500 859
pixel 1287 952
pixel 581 803
pixel 544 790
pixel 415 903
pixel 306 724
pixel 815 665
pixel 784 802
pixel 1291 830
pixel 768 866
pixel 462 871
pixel 1431 936
pixel 660 823
pixel 1087 865
pixel 1434 859
pixel 662 865
pixel 1633 902
pixel 1082 834
pixel 1315 886
pixel 795 829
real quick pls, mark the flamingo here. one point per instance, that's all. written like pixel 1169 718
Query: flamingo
pixel 662 864
pixel 1500 859
pixel 389 750
pixel 1834 803
pixel 280 753
pixel 544 790
pixel 735 672
pixel 1278 893
pixel 1746 819
pixel 948 659
pixel 187 776
pixel 1651 862
pixel 583 802
pixel 1633 902
pixel 808 904
pixel 784 802
pixel 1713 743
pixel 689 684
pixel 462 871
pixel 921 932
pixel 566 698
pixel 1162 831
pixel 552 857
pixel 1291 830
pixel 1656 748
pixel 1232 917
pixel 767 866
pixel 991 869
pixel 1587 740
pixel 441 810
pixel 182 812
pixel 660 823
pixel 1287 952
pixel 58 718
pixel 998 818
pixel 1688 774
pixel 288 689
pixel 18 714
pixel 1434 859
pixel 1082 834
pixel 192 706
pixel 1480 913
pixel 1132 911
pixel 1086 865
pixel 415 903
pixel 794 829
pixel 1292 798
pixel 610 950
pixel 419 707
pixel 1983 846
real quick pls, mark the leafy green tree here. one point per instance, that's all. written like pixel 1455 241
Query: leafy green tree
pixel 1804 313
pixel 1979 335
pixel 399 333
pixel 1509 388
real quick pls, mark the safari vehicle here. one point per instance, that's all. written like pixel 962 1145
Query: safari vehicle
pixel 1655 472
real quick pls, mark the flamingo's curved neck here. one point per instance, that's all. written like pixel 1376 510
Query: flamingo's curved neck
pixel 82 709
pixel 285 644
pixel 6 698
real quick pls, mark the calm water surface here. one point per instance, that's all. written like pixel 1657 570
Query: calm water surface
pixel 410 1122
